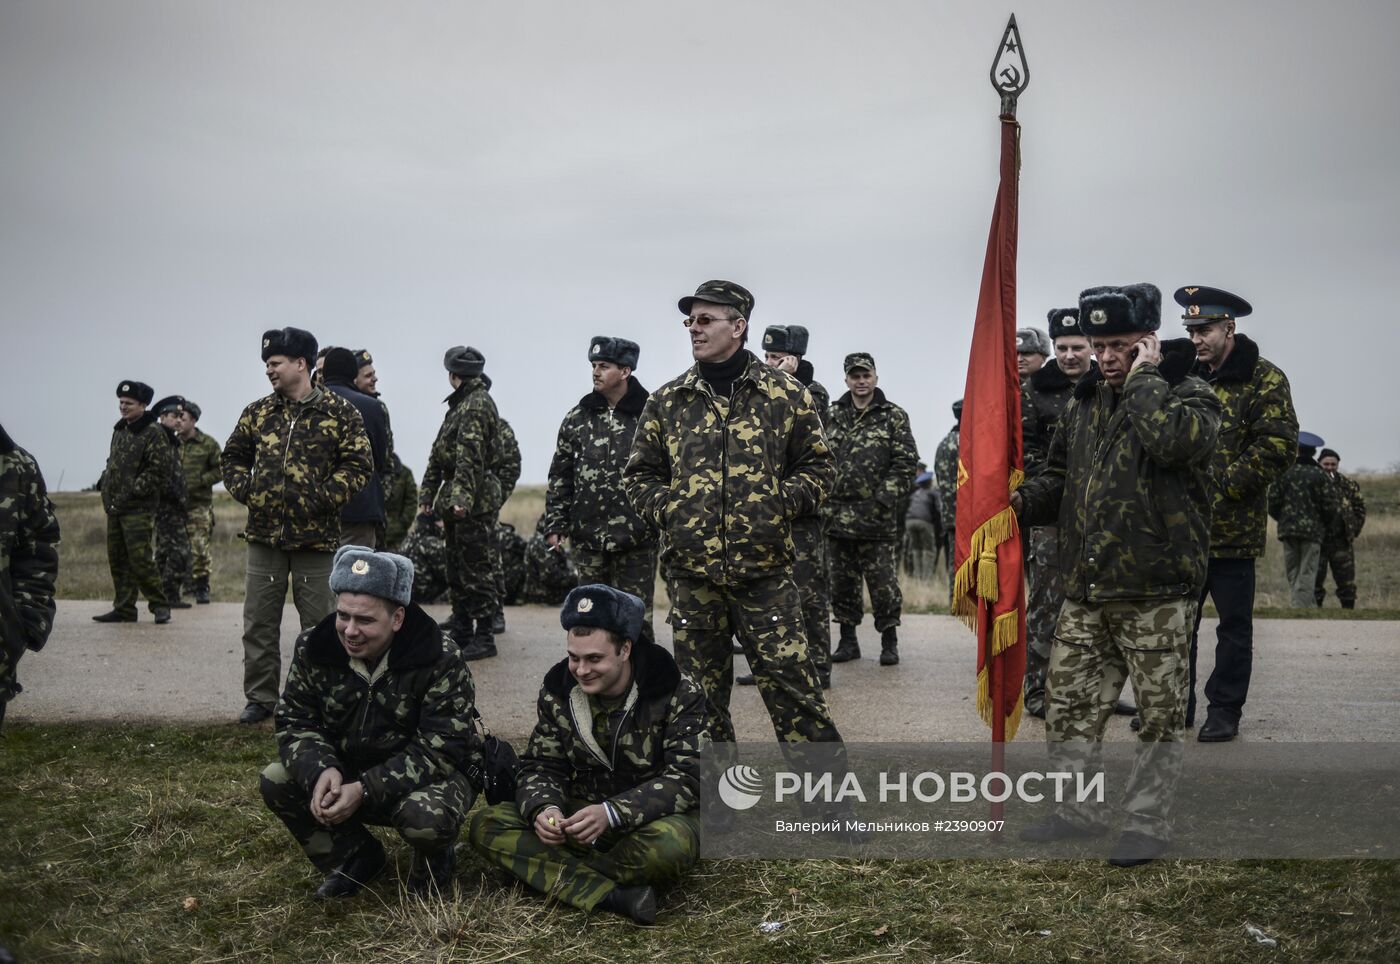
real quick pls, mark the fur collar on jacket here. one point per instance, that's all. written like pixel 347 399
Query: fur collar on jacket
pixel 631 403
pixel 805 373
pixel 1050 378
pixel 1178 357
pixel 876 401
pixel 653 670
pixel 136 427
pixel 1238 367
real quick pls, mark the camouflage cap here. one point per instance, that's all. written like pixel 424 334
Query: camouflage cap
pixel 858 359
pixel 464 361
pixel 787 339
pixel 383 574
pixel 621 613
pixel 1111 310
pixel 720 293
pixel 139 391
pixel 619 351
pixel 1033 341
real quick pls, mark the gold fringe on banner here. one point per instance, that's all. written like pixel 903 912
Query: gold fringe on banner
pixel 1005 633
pixel 982 559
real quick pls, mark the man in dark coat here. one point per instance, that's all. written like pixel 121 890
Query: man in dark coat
pixel 363 516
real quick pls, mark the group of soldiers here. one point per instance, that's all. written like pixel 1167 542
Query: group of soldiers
pixel 1149 466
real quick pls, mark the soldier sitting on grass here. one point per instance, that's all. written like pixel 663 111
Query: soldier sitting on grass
pixel 374 727
pixel 606 806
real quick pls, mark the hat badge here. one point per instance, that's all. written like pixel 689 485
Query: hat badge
pixel 1193 310
pixel 359 567
pixel 1190 291
pixel 585 604
pixel 126 387
pixel 266 342
pixel 1069 322
pixel 597 348
pixel 1098 317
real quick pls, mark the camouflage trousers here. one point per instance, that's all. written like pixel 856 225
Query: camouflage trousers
pixel 199 527
pixel 1341 557
pixel 868 561
pixel 950 542
pixel 428 553
pixel 810 572
pixel 656 853
pixel 1097 647
pixel 471 574
pixel 428 819
pixel 632 570
pixel 920 548
pixel 174 556
pixel 1300 564
pixel 1043 609
pixel 131 557
pixel 264 595
pixel 765 614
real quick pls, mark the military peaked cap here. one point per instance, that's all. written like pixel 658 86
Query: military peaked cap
pixel 170 403
pixel 1204 305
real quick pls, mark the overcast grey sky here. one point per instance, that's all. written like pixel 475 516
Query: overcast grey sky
pixel 519 176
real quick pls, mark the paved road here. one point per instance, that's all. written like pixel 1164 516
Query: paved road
pixel 1314 680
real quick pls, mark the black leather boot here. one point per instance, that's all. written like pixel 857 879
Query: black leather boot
pixel 847 648
pixel 889 646
pixel 636 903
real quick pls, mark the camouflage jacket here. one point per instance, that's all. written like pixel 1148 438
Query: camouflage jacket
pixel 651 766
pixel 138 467
pixel 397 727
pixel 510 550
pixel 1305 502
pixel 295 465
pixel 199 457
pixel 1128 479
pixel 549 572
pixel 945 473
pixel 724 478
pixel 28 560
pixel 174 496
pixel 585 500
pixel 505 460
pixel 1353 515
pixel 458 465
pixel 400 503
pixel 426 548
pixel 1044 396
pixel 1258 440
pixel 876 459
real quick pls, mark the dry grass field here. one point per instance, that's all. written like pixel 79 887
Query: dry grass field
pixel 83 570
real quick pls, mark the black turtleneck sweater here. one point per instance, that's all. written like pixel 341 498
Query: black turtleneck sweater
pixel 722 375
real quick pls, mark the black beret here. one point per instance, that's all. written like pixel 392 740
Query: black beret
pixel 619 351
pixel 170 403
pixel 193 409
pixel 788 339
pixel 292 342
pixel 1064 321
pixel 1204 305
pixel 1126 310
pixel 464 361
pixel 340 363
pixel 140 391
pixel 605 607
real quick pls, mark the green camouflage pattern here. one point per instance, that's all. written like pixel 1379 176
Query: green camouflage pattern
pixel 1340 557
pixel 765 615
pixel 471 572
pixel 399 727
pixel 876 460
pixel 200 460
pixel 1099 647
pixel 1305 503
pixel 1043 600
pixel 811 572
pixel 510 551
pixel 174 555
pixel 945 474
pixel 655 854
pixel 1257 442
pixel 645 765
pixel 459 464
pixel 549 573
pixel 199 529
pixel 400 504
pixel 1128 478
pixel 295 465
pixel 426 548
pixel 631 571
pixel 504 463
pixel 29 537
pixel 132 561
pixel 428 819
pixel 585 500
pixel 723 478
pixel 1044 396
pixel 1353 516
pixel 138 467
pixel 857 564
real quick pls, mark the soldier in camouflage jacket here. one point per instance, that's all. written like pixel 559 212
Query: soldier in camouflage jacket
pixel 609 783
pixel 1307 506
pixel 505 468
pixel 726 457
pixel 1127 478
pixel 139 467
pixel 199 457
pixel 1258 430
pixel 1338 551
pixel 400 503
pixel 586 503
pixel 28 562
pixel 379 704
pixel 945 475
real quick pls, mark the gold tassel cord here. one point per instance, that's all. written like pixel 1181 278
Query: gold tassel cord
pixel 980 563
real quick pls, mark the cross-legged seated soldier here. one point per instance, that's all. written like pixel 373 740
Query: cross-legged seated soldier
pixel 374 727
pixel 606 806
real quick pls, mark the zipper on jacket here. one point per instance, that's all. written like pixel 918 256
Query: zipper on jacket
pixel 286 454
pixel 618 732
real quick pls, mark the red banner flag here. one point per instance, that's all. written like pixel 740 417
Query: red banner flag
pixel 988 588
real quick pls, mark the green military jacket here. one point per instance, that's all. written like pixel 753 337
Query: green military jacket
pixel 397 727
pixel 400 503
pixel 504 463
pixel 458 465
pixel 199 457
pixel 295 465
pixel 1305 502
pixel 28 560
pixel 1044 396
pixel 1258 439
pixel 945 473
pixel 724 478
pixel 650 768
pixel 585 500
pixel 1128 482
pixel 139 464
pixel 876 460
pixel 1353 516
